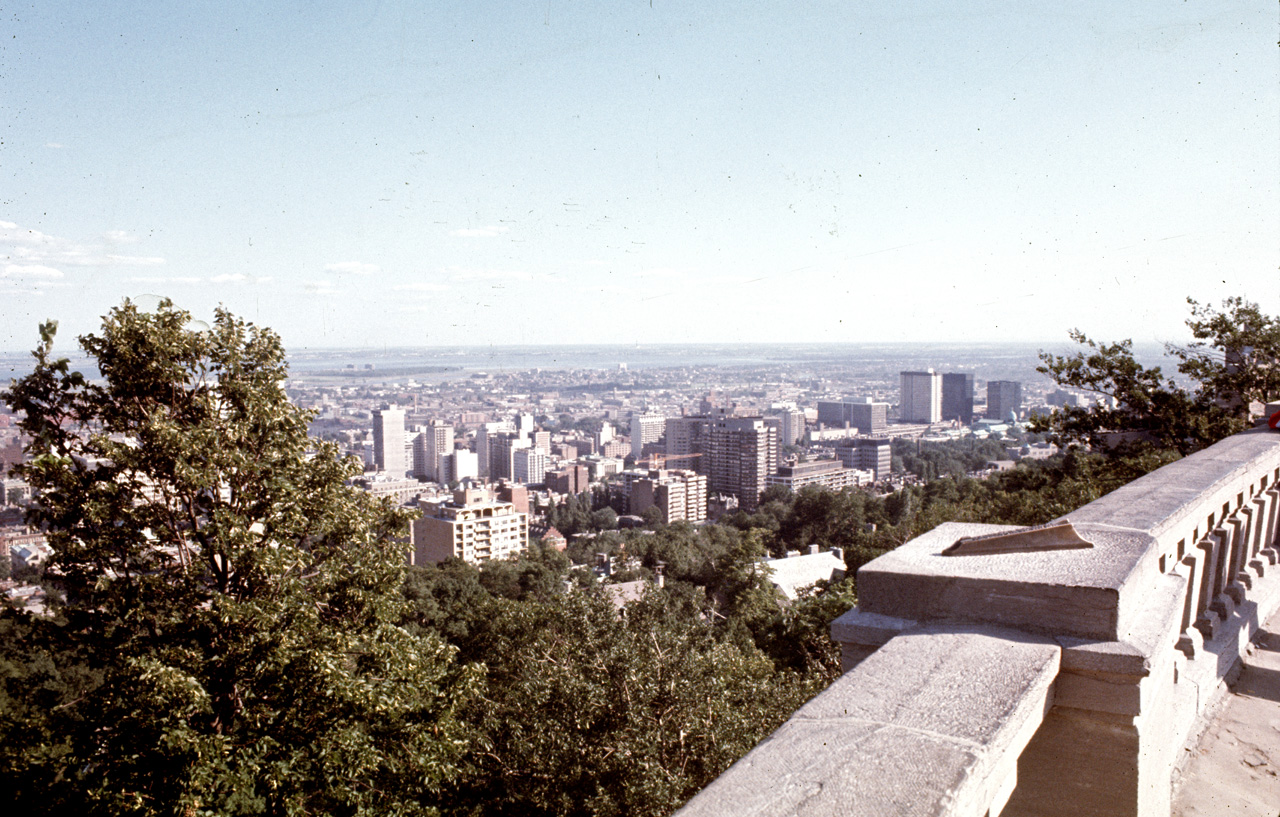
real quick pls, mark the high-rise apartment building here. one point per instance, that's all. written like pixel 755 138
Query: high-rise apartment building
pixel 1004 399
pixel 472 526
pixel 502 449
pixel 686 438
pixel 680 494
pixel 389 441
pixel 957 397
pixel 921 400
pixel 868 416
pixel 741 453
pixel 484 437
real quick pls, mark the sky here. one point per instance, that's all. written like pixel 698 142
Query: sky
pixel 408 172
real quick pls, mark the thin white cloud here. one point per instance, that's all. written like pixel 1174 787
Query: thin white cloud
pixel 136 260
pixel 31 271
pixel 32 247
pixel 484 274
pixel 320 288
pixel 160 279
pixel 421 287
pixel 481 232
pixel 54 145
pixel 230 278
pixel 352 268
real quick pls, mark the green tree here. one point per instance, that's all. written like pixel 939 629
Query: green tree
pixel 592 712
pixel 228 639
pixel 1138 405
pixel 1235 356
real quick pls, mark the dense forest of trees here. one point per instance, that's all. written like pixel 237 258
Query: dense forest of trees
pixel 232 630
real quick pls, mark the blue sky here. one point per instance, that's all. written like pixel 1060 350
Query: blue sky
pixel 408 173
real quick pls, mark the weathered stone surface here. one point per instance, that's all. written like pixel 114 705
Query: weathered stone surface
pixel 1162 500
pixel 930 724
pixel 868 629
pixel 1066 592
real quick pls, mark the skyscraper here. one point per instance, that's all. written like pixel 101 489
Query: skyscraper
pixel 921 397
pixel 1004 398
pixel 389 441
pixel 957 397
pixel 742 453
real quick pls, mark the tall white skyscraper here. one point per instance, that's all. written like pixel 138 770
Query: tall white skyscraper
pixel 389 441
pixel 921 397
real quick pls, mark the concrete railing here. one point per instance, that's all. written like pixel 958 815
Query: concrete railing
pixel 1029 681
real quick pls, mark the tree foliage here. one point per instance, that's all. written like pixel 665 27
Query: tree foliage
pixel 228 638
pixel 1233 361
pixel 1235 356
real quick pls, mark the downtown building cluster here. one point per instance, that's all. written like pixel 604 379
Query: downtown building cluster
pixel 486 456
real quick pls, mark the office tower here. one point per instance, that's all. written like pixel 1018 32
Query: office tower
pixel 867 416
pixel 529 466
pixel 873 454
pixel 1004 398
pixel 775 423
pixel 473 526
pixel 921 400
pixel 418 461
pixel 742 455
pixel 389 440
pixel 957 397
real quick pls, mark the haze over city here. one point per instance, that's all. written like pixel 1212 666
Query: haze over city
pixel 403 174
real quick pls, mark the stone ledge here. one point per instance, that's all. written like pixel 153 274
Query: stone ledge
pixel 930 724
pixel 1061 592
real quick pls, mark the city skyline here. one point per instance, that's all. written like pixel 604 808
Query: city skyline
pixel 402 175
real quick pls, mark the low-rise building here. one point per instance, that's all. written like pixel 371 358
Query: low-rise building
pixel 829 474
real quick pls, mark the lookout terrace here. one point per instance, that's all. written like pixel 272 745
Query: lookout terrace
pixel 1054 671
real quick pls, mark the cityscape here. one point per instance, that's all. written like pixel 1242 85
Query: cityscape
pixel 637 409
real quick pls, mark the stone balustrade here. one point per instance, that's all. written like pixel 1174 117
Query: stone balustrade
pixel 1031 681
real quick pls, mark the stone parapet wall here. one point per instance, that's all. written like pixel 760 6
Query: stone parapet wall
pixel 1143 627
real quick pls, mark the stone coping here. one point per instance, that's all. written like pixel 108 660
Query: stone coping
pixel 1063 592
pixel 930 724
pixel 1160 501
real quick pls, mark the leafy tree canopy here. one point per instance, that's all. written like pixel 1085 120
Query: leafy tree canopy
pixel 1233 361
pixel 228 639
